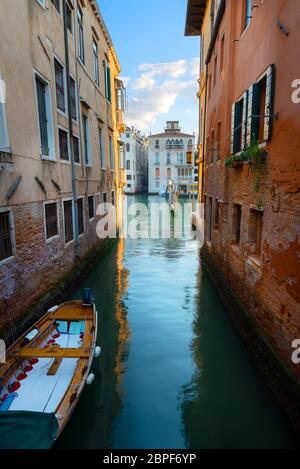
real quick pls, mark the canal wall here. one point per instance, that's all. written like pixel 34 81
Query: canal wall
pixel 283 385
pixel 51 294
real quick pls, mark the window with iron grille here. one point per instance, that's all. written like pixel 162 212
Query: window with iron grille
pixel 68 219
pixel 80 216
pixel 5 236
pixel 91 202
pixel 73 99
pixel 60 86
pixel 63 145
pixel 76 149
pixel 51 220
pixel 237 219
pixel 80 35
pixel 56 3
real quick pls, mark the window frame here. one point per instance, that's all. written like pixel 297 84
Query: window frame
pixel 111 152
pixel 12 234
pixel 92 196
pixel 59 62
pixel 81 197
pixel 6 148
pixel 63 129
pixel 45 203
pixel 88 158
pixel 72 78
pixel 68 199
pixel 79 148
pixel 96 68
pixel 102 149
pixel 80 33
pixel 49 112
pixel 57 7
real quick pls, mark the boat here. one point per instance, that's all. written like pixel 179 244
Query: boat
pixel 45 373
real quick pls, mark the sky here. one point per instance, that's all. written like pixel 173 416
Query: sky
pixel 159 64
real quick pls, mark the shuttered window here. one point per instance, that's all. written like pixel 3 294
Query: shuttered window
pixel 73 99
pixel 238 125
pixel 80 35
pixel 41 88
pixel 107 76
pixel 80 216
pixel 51 220
pixel 5 236
pixel 68 220
pixel 60 86
pixel 91 203
pixel 269 103
pixel 63 145
pixel 76 149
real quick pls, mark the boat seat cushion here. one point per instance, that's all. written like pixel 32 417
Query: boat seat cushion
pixel 75 328
pixel 8 401
pixel 62 327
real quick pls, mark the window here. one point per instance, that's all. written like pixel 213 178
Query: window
pixel 111 154
pixel 261 107
pixel 4 139
pixel 102 155
pixel 129 177
pixel 42 3
pixel 168 172
pixel 91 203
pixel 215 70
pixel 6 249
pixel 121 104
pixel 255 230
pixel 51 220
pixel 73 99
pixel 68 220
pixel 69 19
pixel 44 109
pixel 156 143
pixel 107 78
pixel 80 216
pixel 86 140
pixel 76 149
pixel 168 158
pixel 222 49
pixel 248 11
pixel 128 165
pixel 113 197
pixel 157 158
pixel 60 86
pixel 217 214
pixel 237 218
pixel 157 172
pixel 80 35
pixel 56 3
pixel 96 62
pixel 128 147
pixel 121 156
pixel 238 124
pixel 63 145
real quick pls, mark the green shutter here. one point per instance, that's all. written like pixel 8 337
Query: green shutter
pixel 269 106
pixel 236 120
pixel 253 110
pixel 41 98
pixel 244 120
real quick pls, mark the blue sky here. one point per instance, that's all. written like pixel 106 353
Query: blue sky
pixel 159 64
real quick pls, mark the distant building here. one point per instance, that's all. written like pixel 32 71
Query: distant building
pixel 171 157
pixel 136 161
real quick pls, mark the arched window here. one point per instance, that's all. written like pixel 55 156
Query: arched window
pixel 190 143
pixel 168 172
pixel 128 147
pixel 157 172
pixel 128 165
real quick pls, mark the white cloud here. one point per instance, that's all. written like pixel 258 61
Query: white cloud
pixel 171 69
pixel 145 81
pixel 125 80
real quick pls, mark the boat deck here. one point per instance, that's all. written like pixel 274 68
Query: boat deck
pixel 41 392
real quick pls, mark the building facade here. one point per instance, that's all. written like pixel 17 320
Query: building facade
pixel 60 148
pixel 251 169
pixel 171 158
pixel 136 161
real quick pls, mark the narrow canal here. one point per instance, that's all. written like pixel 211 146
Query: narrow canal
pixel 173 372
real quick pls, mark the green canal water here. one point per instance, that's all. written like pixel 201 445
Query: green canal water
pixel 173 372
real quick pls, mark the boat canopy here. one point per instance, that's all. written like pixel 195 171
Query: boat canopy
pixel 27 430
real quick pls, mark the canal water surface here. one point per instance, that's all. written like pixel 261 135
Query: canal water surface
pixel 173 372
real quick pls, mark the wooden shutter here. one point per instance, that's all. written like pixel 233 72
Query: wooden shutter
pixel 232 129
pixel 253 113
pixel 244 120
pixel 236 119
pixel 269 105
pixel 41 98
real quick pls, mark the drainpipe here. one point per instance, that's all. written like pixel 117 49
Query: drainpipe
pixel 204 137
pixel 73 169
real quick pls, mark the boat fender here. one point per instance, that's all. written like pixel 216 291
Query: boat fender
pixel 90 379
pixel 31 335
pixel 97 352
pixel 53 309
